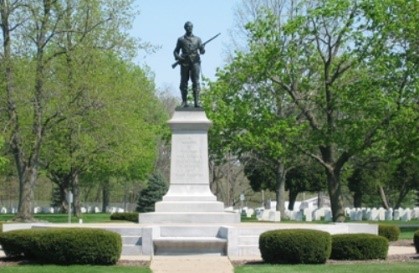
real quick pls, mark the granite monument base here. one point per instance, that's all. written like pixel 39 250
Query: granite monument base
pixel 189 198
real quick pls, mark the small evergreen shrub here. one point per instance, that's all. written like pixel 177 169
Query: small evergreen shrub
pixel 391 232
pixel 64 245
pixel 359 247
pixel 416 240
pixel 156 189
pixel 295 246
pixel 125 216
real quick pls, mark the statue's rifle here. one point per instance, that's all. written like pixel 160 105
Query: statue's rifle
pixel 206 42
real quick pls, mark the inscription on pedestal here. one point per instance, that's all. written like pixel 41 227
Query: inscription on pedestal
pixel 188 158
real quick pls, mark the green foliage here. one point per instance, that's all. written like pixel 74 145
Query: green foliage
pixel 391 232
pixel 359 247
pixel 154 192
pixel 331 79
pixel 16 243
pixel 295 246
pixel 125 216
pixel 308 177
pixel 416 240
pixel 3 160
pixel 64 246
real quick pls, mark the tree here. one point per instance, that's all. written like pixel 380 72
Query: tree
pixel 332 62
pixel 154 192
pixel 34 98
pixel 304 178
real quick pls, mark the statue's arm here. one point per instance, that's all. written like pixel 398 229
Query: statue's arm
pixel 201 46
pixel 177 50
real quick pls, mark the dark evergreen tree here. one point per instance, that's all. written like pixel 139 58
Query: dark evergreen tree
pixel 154 192
pixel 304 178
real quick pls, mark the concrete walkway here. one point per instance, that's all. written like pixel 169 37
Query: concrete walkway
pixel 214 264
pixel 191 264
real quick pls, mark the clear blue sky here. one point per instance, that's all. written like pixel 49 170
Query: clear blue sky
pixel 161 22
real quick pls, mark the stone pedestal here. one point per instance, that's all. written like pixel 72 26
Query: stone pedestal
pixel 189 198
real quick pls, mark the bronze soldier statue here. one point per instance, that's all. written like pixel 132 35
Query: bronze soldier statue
pixel 190 63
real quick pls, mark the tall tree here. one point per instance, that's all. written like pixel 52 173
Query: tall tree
pixel 44 31
pixel 332 61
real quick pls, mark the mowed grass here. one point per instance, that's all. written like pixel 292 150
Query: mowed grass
pixel 73 269
pixel 63 218
pixel 331 268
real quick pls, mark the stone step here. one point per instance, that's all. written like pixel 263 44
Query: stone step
pixel 191 231
pixel 129 250
pixel 248 250
pixel 189 218
pixel 131 240
pixel 190 246
pixel 248 240
pixel 131 231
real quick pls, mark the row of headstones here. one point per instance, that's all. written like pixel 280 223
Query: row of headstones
pixel 37 210
pixel 325 213
pixel 382 214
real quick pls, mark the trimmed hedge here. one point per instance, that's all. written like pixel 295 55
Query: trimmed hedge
pixel 16 243
pixel 416 240
pixel 295 246
pixel 359 247
pixel 391 232
pixel 64 245
pixel 125 216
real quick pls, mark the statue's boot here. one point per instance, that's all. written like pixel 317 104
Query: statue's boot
pixel 184 94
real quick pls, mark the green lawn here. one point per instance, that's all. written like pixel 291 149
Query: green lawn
pixel 72 269
pixel 331 268
pixel 407 231
pixel 63 218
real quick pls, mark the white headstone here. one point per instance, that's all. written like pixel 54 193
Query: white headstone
pixel 415 213
pixel 324 213
pixel 388 216
pixel 406 215
pixel 373 215
pixel 265 215
pixel 308 214
pixel 397 213
pixel 274 216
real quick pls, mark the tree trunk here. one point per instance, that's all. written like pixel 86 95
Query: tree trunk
pixel 76 193
pixel 105 196
pixel 383 197
pixel 280 190
pixel 335 194
pixel 292 197
pixel 357 199
pixel 26 196
pixel 63 197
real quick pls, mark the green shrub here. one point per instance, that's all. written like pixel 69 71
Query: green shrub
pixel 16 243
pixel 359 247
pixel 416 240
pixel 125 216
pixel 64 246
pixel 295 246
pixel 391 232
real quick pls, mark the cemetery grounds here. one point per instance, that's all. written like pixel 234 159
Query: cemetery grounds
pixel 398 264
